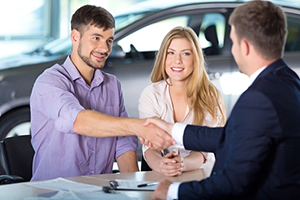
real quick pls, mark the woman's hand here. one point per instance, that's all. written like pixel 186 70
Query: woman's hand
pixel 170 165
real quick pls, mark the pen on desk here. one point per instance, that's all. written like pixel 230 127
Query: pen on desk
pixel 147 184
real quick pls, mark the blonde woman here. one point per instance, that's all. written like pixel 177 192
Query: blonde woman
pixel 181 92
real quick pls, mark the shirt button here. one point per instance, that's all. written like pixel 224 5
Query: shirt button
pixel 92 171
pixel 93 151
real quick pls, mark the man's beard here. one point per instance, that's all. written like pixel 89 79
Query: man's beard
pixel 88 60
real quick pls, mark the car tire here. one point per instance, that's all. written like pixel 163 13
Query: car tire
pixel 13 119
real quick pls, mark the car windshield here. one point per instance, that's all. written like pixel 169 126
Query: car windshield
pixel 123 19
pixel 63 45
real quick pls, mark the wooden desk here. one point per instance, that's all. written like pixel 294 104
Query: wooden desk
pixel 18 191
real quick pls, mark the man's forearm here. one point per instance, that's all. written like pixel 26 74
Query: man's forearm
pixel 96 124
pixel 127 162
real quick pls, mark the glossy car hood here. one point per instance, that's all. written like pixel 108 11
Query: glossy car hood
pixel 25 59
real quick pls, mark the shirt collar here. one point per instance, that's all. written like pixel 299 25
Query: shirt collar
pixel 74 73
pixel 71 69
pixel 255 74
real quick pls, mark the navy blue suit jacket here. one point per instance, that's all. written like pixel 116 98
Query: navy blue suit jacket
pixel 258 150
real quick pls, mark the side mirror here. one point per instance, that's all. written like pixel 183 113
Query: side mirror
pixel 117 52
pixel 117 55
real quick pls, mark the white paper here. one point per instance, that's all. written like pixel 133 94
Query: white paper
pixel 64 184
pixel 71 195
pixel 60 195
pixel 133 185
pixel 103 196
pixel 70 190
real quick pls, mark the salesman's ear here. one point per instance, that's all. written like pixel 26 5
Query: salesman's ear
pixel 245 47
pixel 75 36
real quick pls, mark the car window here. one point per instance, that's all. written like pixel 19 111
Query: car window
pixel 149 38
pixel 212 33
pixel 293 38
pixel 124 20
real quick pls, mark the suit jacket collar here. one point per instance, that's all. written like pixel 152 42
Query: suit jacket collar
pixel 278 64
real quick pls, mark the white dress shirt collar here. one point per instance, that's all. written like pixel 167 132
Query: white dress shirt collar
pixel 255 74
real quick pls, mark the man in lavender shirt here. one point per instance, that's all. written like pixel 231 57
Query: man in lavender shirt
pixel 79 124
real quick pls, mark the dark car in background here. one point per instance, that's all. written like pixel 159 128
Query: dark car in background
pixel 137 38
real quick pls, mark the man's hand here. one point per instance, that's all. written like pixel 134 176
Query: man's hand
pixel 154 136
pixel 167 127
pixel 160 123
pixel 161 190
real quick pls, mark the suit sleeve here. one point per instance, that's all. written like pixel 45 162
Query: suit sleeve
pixel 202 138
pixel 246 143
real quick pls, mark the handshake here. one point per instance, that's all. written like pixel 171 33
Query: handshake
pixel 156 133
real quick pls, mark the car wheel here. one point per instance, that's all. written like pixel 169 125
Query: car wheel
pixel 15 123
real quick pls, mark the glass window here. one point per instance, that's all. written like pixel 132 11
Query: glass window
pixel 293 38
pixel 124 20
pixel 212 33
pixel 218 21
pixel 28 22
pixel 23 26
pixel 150 37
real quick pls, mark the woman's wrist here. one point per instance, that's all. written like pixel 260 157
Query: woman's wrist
pixel 182 164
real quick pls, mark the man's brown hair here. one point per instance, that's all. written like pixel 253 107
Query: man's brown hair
pixel 92 15
pixel 263 24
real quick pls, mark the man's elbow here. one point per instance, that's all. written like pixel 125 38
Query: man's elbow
pixel 77 125
pixel 76 128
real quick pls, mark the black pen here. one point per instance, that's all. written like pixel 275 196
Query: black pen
pixel 147 184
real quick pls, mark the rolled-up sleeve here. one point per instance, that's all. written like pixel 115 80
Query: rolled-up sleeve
pixel 125 144
pixel 56 102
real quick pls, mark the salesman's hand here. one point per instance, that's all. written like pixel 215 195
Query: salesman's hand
pixel 160 123
pixel 161 190
pixel 167 127
pixel 153 136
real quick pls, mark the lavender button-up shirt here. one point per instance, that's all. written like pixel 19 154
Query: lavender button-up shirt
pixel 58 95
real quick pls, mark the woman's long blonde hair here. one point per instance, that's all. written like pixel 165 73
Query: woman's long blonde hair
pixel 202 94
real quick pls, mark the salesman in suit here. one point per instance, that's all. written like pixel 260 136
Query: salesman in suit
pixel 257 152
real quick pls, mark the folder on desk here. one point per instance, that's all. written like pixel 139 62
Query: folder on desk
pixel 133 185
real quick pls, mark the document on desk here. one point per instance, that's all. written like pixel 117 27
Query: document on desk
pixel 70 190
pixel 64 184
pixel 133 185
pixel 72 195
